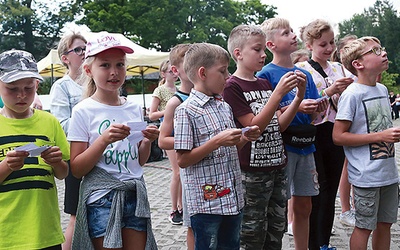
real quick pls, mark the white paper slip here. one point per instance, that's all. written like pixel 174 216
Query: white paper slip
pixel 245 129
pixel 322 98
pixel 136 131
pixel 32 149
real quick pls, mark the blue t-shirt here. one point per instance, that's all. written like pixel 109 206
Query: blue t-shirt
pixel 273 74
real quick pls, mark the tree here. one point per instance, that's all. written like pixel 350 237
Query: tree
pixel 383 22
pixel 33 25
pixel 165 23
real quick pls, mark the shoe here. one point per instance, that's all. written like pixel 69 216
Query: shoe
pixel 175 218
pixel 326 247
pixel 348 218
pixel 333 231
pixel 289 229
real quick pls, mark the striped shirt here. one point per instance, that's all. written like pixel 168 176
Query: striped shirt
pixel 213 185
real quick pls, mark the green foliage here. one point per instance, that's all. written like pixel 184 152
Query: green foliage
pixel 165 23
pixel 32 25
pixel 383 22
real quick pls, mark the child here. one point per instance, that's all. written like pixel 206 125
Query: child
pixel 262 162
pixel 330 79
pixel 166 140
pixel 113 208
pixel 206 141
pixel 365 129
pixel 165 91
pixel 300 135
pixel 28 194
pixel 65 93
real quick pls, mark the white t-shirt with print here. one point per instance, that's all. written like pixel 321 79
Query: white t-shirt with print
pixel 89 119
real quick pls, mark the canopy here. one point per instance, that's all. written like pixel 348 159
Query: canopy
pixel 142 61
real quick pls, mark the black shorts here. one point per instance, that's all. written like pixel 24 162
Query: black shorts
pixel 71 195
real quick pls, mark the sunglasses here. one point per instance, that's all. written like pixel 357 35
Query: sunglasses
pixel 377 51
pixel 78 50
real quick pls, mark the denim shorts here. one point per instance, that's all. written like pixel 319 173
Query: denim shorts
pixel 214 232
pixel 98 213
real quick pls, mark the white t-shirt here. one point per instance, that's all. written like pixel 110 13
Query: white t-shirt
pixel 89 119
pixel 368 108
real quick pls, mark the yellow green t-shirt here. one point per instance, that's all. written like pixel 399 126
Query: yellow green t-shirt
pixel 30 216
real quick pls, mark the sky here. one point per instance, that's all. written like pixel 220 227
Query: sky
pixel 301 12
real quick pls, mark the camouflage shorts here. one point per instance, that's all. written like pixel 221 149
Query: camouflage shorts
pixel 264 214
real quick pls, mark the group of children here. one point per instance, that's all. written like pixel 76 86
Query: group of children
pixel 244 144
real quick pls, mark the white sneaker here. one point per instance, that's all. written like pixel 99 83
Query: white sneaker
pixel 333 231
pixel 348 218
pixel 289 229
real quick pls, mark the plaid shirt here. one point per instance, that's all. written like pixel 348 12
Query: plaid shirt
pixel 197 120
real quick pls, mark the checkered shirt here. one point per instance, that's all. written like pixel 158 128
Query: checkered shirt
pixel 197 120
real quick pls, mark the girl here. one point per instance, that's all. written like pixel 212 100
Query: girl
pixel 113 209
pixel 165 90
pixel 331 79
pixel 65 93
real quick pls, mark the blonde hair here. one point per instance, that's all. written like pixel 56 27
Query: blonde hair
pixel 335 57
pixel 203 55
pixel 353 51
pixel 272 25
pixel 239 36
pixel 163 69
pixel 295 56
pixel 177 54
pixel 66 42
pixel 314 30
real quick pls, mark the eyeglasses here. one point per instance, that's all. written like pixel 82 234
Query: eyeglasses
pixel 78 50
pixel 376 50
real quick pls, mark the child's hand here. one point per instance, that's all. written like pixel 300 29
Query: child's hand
pixel 252 134
pixel 340 85
pixel 287 82
pixel 391 135
pixel 229 137
pixel 308 106
pixel 322 105
pixel 151 133
pixel 301 85
pixel 52 155
pixel 115 132
pixel 15 159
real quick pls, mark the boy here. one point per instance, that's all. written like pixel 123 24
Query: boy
pixel 206 141
pixel 363 126
pixel 262 162
pixel 166 137
pixel 28 194
pixel 300 135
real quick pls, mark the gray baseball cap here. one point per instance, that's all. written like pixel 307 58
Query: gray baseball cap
pixel 16 65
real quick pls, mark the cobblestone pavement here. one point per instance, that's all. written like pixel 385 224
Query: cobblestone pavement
pixel 171 237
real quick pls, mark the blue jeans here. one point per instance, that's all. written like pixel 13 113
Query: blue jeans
pixel 213 231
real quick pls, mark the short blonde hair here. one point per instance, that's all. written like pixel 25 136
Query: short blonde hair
pixel 314 30
pixel 163 69
pixel 203 55
pixel 177 54
pixel 353 51
pixel 272 25
pixel 239 36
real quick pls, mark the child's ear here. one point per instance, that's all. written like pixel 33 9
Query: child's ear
pixel 37 84
pixel 237 54
pixel 357 64
pixel 64 59
pixel 269 44
pixel 202 73
pixel 87 70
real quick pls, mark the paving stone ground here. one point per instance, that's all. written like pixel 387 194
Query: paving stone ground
pixel 172 237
